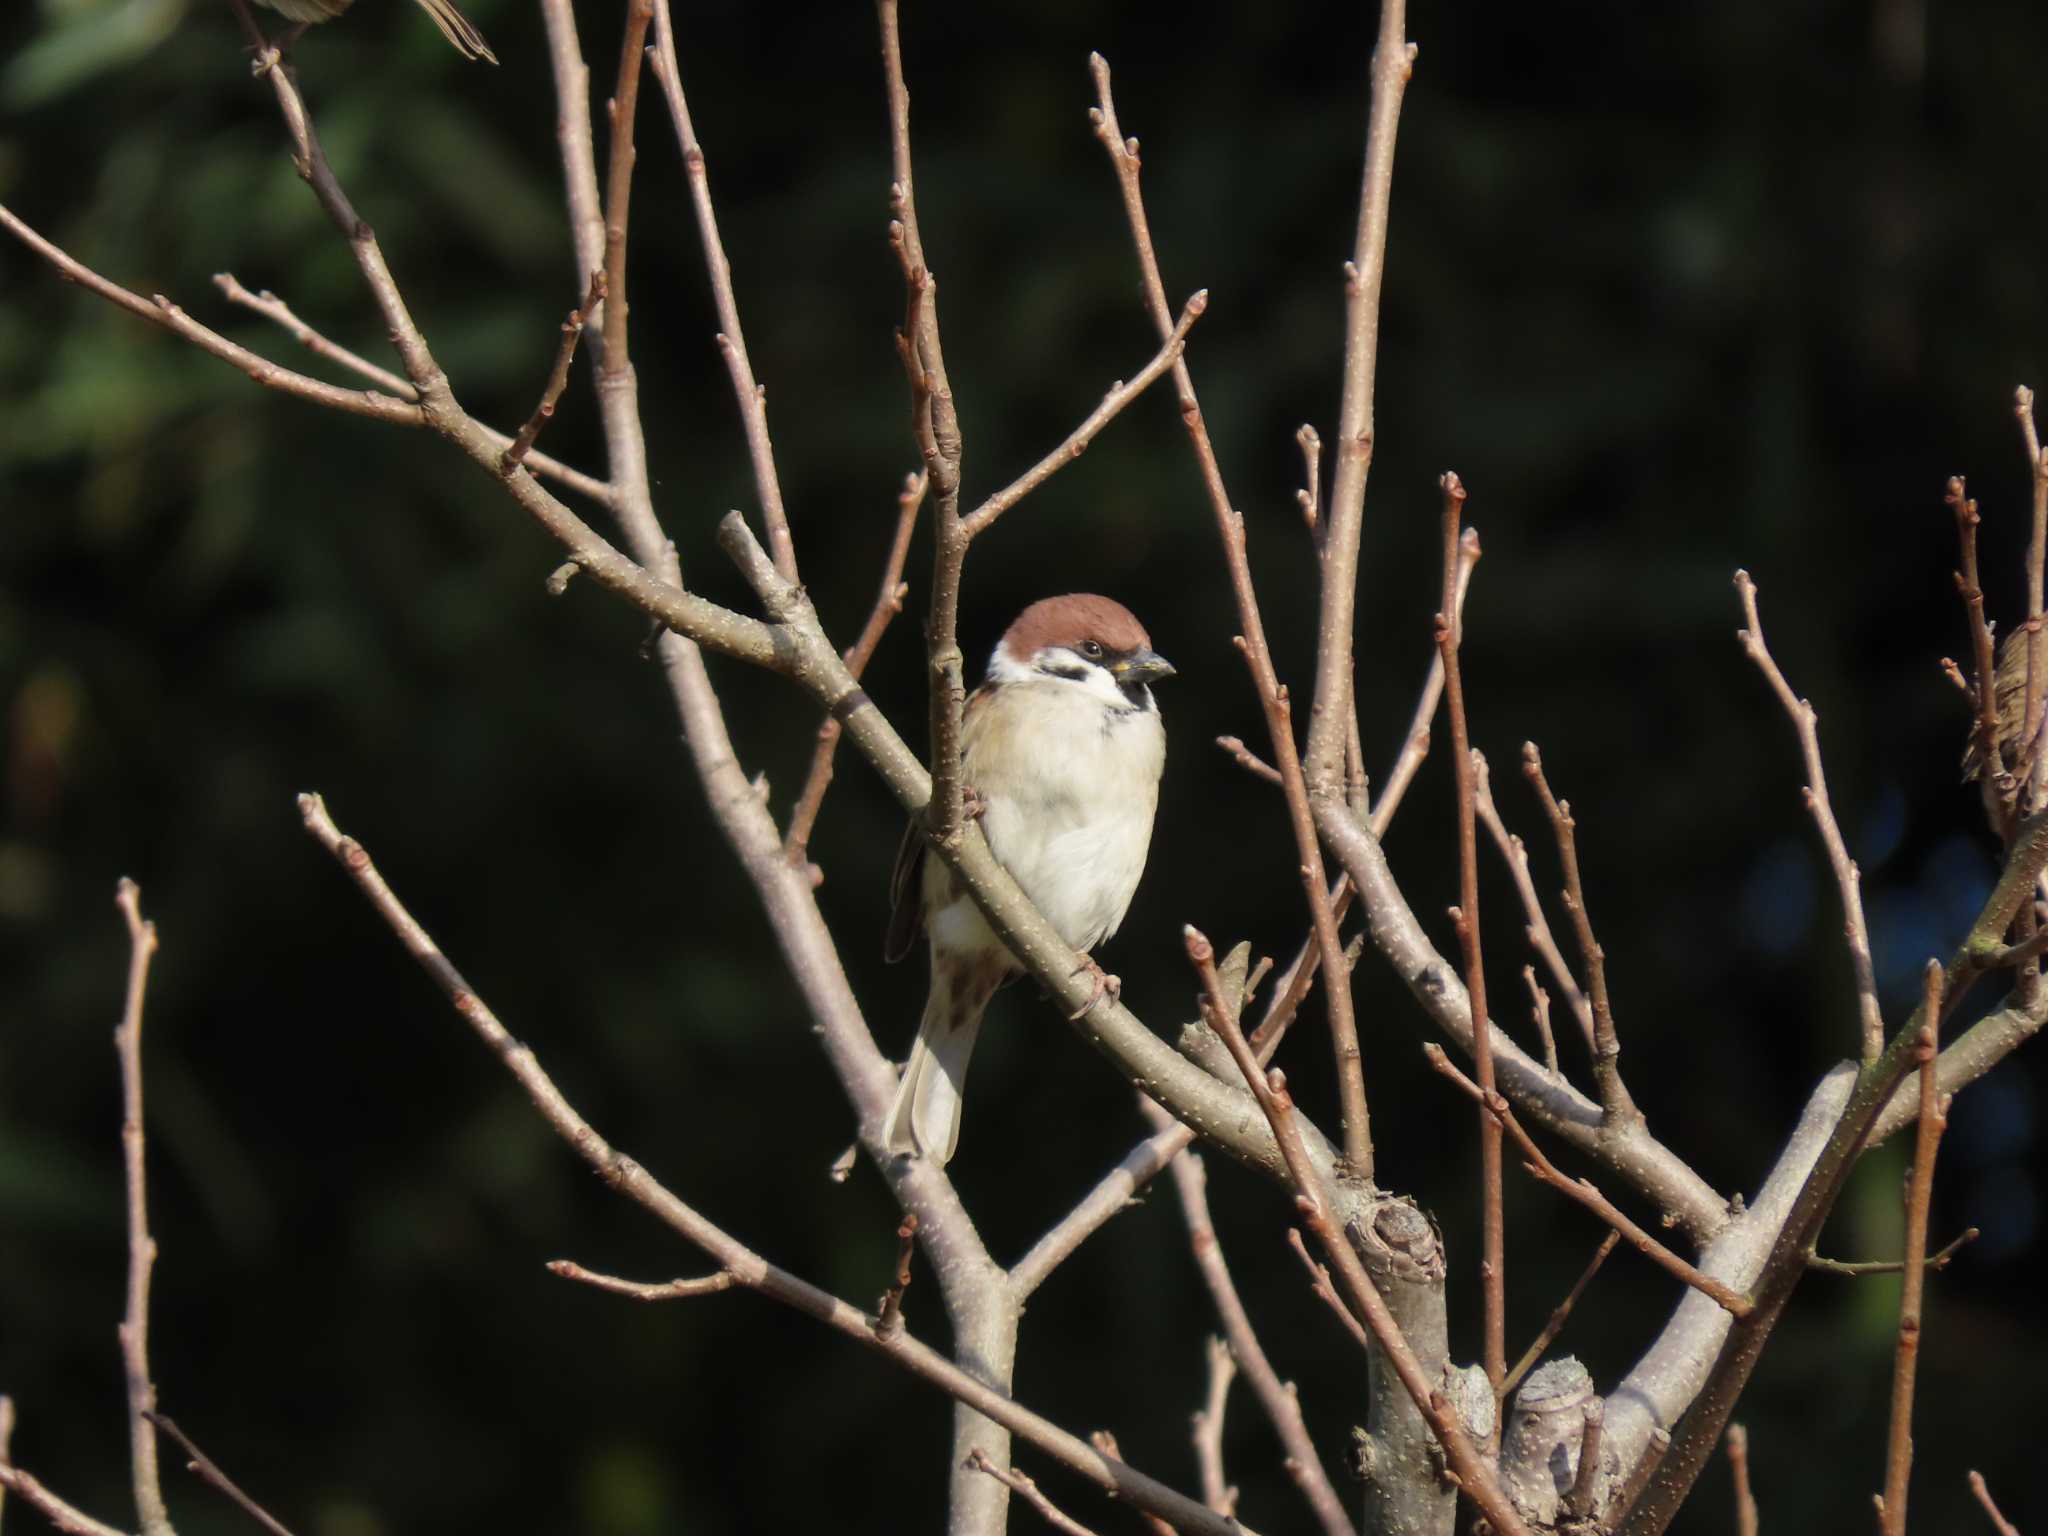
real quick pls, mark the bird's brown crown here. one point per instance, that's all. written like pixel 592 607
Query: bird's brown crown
pixel 1071 619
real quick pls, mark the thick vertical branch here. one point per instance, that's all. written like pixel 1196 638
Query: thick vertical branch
pixel 149 1493
pixel 1393 60
pixel 1493 1220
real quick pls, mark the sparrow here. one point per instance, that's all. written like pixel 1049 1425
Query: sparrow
pixel 1061 748
pixel 2009 695
pixel 455 26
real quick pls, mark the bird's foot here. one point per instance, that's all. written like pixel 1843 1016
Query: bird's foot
pixel 1106 985
pixel 973 803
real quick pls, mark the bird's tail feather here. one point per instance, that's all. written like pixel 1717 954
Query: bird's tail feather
pixel 925 1118
pixel 458 29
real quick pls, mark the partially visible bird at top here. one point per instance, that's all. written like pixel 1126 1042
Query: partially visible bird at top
pixel 1062 748
pixel 455 26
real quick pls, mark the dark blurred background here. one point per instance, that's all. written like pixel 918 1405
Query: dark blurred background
pixel 1675 289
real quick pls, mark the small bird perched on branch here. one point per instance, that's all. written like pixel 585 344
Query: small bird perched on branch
pixel 455 26
pixel 1062 748
pixel 2009 695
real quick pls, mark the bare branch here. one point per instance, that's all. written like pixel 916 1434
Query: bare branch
pixel 1515 854
pixel 732 341
pixel 2037 559
pixel 1539 1009
pixel 1207 1432
pixel 1032 1494
pixel 558 377
pixel 642 1290
pixel 1583 1191
pixel 1415 745
pixel 747 1268
pixel 159 310
pixel 1077 441
pixel 67 1518
pixel 1393 61
pixel 1615 1102
pixel 1310 495
pixel 2003 1526
pixel 1578 1499
pixel 149 1493
pixel 1273 695
pixel 888 603
pixel 1919 1194
pixel 618 185
pixel 1986 757
pixel 1737 1440
pixel 203 1466
pixel 1249 760
pixel 1936 1260
pixel 1326 1293
pixel 1493 1218
pixel 1558 1314
pixel 6 1441
pixel 1474 1473
pixel 1278 1398
pixel 889 1315
pixel 1847 876
pixel 279 313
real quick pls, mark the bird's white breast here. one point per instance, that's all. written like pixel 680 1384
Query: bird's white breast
pixel 1071 787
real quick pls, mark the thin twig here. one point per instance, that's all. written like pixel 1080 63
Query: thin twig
pixel 204 1467
pixel 1856 1270
pixel 279 313
pixel 1982 1490
pixel 1207 1430
pixel 732 341
pixel 2034 761
pixel 1539 1011
pixel 1615 1103
pixel 1583 1191
pixel 1987 750
pixel 747 1267
pixel 1274 699
pixel 1104 1441
pixel 1393 61
pixel 1493 1217
pixel 643 1290
pixel 1032 1494
pixel 1898 1465
pixel 888 603
pixel 6 1441
pixel 1474 1472
pixel 1326 1293
pixel 1249 760
pixel 623 108
pixel 1415 745
pixel 1536 927
pixel 889 1315
pixel 1077 441
pixel 134 1331
pixel 68 1518
pixel 1737 1440
pixel 1555 1325
pixel 1278 1398
pixel 275 310
pixel 1847 877
pixel 558 377
pixel 159 310
pixel 1310 495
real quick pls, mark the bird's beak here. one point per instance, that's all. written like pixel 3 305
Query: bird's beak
pixel 1140 667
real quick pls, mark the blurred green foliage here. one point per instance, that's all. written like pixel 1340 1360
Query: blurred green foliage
pixel 1674 289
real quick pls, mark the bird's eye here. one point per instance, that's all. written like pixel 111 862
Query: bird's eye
pixel 1092 649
